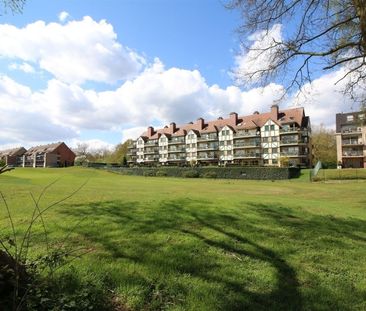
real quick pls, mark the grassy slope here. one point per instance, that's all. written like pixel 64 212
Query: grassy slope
pixel 183 244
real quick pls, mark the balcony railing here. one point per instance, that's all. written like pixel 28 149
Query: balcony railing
pixel 352 154
pixel 151 143
pixel 247 155
pixel 151 151
pixel 293 130
pixel 293 154
pixel 352 142
pixel 176 158
pixel 247 145
pixel 177 141
pixel 351 131
pixel 247 134
pixel 177 150
pixel 208 147
pixel 292 141
pixel 207 138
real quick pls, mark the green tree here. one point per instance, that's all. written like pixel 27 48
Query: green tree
pixel 324 146
pixel 326 33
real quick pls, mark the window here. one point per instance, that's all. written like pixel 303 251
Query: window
pixel 266 128
pixel 274 138
pixel 221 143
pixel 229 152
pixel 265 150
pixel 265 139
pixel 274 161
pixel 274 150
pixel 349 118
pixel 272 127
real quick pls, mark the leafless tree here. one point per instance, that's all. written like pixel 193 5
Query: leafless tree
pixel 14 6
pixel 326 34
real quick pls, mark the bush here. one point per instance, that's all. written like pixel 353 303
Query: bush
pixel 149 173
pixel 210 175
pixel 161 173
pixel 190 174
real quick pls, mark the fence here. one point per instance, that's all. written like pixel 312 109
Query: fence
pixel 339 174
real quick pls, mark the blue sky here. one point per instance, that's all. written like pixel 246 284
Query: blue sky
pixel 102 71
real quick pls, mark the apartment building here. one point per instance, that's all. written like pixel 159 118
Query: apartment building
pixel 351 139
pixel 11 156
pixel 51 155
pixel 269 139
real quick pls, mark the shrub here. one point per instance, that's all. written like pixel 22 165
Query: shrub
pixel 210 175
pixel 149 173
pixel 161 173
pixel 190 174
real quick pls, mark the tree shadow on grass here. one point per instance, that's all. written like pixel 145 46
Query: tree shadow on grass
pixel 222 251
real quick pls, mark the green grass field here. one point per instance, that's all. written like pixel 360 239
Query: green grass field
pixel 203 244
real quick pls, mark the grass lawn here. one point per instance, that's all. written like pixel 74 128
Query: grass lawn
pixel 202 244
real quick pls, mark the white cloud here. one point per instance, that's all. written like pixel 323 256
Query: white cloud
pixel 260 56
pixel 94 145
pixel 63 16
pixel 25 67
pixel 132 133
pixel 21 121
pixel 74 52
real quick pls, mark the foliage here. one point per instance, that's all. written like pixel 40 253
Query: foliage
pixel 190 173
pixel 327 33
pixel 28 281
pixel 269 173
pixel 324 146
pixel 197 244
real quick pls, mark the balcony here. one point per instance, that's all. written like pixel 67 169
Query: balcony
pixel 207 147
pixel 352 142
pixel 294 154
pixel 292 130
pixel 176 158
pixel 246 155
pixel 352 154
pixel 247 134
pixel 176 150
pixel 151 159
pixel 151 151
pixel 246 145
pixel 151 143
pixel 352 131
pixel 207 138
pixel 177 141
pixel 292 142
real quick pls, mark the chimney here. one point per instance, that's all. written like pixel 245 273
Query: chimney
pixel 200 122
pixel 233 118
pixel 274 112
pixel 172 128
pixel 150 131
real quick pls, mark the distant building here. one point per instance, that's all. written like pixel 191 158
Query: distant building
pixel 11 156
pixel 268 139
pixel 351 139
pixel 51 155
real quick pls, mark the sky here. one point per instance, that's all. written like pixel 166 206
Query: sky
pixel 101 72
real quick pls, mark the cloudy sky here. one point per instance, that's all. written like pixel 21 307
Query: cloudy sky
pixel 102 71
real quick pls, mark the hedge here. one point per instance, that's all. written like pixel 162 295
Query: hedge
pixel 259 173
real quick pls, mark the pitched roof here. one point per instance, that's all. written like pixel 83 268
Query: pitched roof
pixel 44 148
pixel 13 152
pixel 292 115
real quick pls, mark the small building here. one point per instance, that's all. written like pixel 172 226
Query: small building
pixel 12 156
pixel 51 155
pixel 351 139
